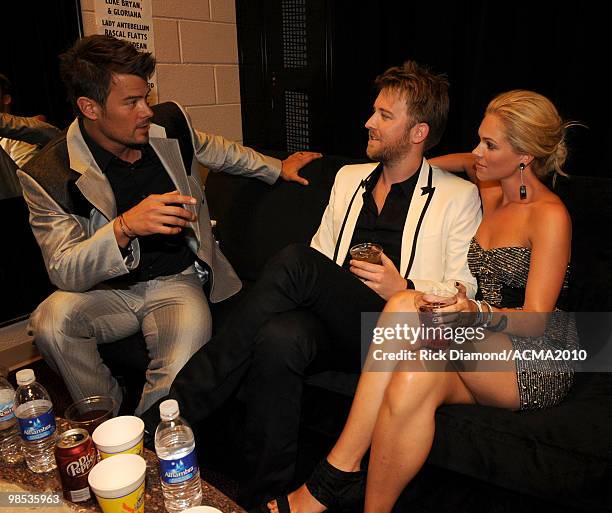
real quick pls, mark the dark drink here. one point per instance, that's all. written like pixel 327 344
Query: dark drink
pixel 87 416
pixel 90 412
pixel 367 252
pixel 76 455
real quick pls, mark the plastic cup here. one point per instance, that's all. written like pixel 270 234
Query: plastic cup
pixel 119 483
pixel 121 435
pixel 367 252
pixel 90 412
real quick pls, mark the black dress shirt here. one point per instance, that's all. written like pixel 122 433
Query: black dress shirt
pixel 160 255
pixel 387 227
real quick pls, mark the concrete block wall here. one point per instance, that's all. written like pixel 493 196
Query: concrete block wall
pixel 197 60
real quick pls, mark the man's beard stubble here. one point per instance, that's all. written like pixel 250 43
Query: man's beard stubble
pixel 391 153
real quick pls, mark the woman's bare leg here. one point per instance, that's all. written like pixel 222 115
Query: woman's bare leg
pixel 356 436
pixel 405 426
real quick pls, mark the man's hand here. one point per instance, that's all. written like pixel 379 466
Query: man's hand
pixel 157 213
pixel 293 163
pixel 383 279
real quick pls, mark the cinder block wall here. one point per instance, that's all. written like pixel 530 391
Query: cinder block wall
pixel 197 55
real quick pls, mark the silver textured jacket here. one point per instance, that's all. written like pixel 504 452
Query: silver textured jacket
pixel 72 205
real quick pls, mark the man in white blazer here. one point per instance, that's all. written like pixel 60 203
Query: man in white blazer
pixel 443 215
pixel 305 309
pixel 118 209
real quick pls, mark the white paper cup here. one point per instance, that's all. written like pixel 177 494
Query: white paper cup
pixel 119 483
pixel 202 509
pixel 121 435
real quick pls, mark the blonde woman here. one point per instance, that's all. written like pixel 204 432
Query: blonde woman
pixel 520 257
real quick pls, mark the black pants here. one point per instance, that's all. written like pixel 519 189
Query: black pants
pixel 268 349
pixel 287 348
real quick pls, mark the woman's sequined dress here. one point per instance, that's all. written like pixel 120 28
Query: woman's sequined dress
pixel 502 278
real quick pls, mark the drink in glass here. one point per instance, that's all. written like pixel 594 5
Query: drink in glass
pixel 429 306
pixel 367 252
pixel 90 412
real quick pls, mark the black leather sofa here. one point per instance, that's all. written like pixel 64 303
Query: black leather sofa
pixel 483 459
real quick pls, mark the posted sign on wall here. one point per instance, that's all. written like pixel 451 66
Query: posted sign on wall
pixel 132 21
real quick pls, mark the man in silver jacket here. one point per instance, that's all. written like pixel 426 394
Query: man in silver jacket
pixel 118 209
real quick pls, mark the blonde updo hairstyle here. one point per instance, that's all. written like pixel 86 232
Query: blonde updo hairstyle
pixel 533 126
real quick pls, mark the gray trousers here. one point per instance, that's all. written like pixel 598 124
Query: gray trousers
pixel 172 312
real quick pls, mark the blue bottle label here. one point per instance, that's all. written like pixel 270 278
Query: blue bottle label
pixel 37 428
pixel 6 411
pixel 179 470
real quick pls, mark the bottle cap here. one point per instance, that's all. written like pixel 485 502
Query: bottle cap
pixel 169 409
pixel 25 377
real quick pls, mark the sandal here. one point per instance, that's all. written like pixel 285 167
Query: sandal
pixel 334 488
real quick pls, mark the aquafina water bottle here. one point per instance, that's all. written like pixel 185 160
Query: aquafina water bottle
pixel 10 441
pixel 178 465
pixel 34 412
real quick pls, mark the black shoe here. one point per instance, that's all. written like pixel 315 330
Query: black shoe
pixel 149 440
pixel 336 489
pixel 282 503
pixel 150 419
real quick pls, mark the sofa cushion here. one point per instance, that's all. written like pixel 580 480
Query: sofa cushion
pixel 563 453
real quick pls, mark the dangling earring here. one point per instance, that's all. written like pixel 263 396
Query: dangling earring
pixel 523 188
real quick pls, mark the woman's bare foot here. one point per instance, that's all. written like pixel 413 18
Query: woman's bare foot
pixel 300 501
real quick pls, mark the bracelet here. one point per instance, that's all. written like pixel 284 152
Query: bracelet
pixel 478 318
pixel 125 229
pixel 489 318
pixel 501 324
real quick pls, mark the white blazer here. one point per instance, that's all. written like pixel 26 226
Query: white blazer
pixel 443 216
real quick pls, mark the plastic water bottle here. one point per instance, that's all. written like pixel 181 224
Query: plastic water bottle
pixel 10 441
pixel 178 465
pixel 34 412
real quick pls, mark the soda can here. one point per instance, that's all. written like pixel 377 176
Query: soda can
pixel 76 455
